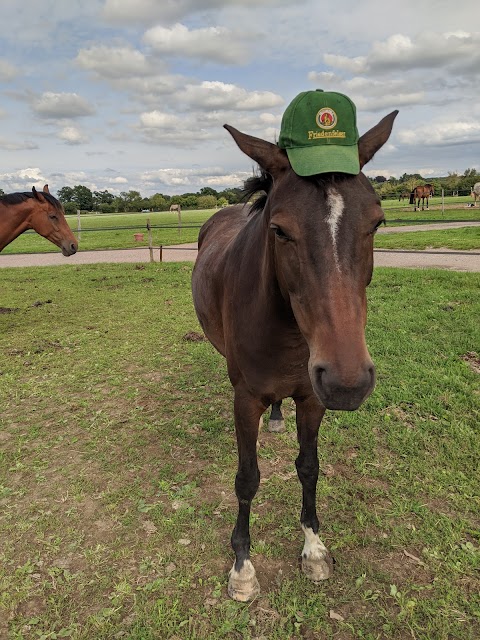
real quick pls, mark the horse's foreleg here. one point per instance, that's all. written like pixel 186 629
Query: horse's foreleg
pixel 243 584
pixel 317 563
pixel 276 422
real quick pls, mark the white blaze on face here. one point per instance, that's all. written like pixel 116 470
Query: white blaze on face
pixel 336 207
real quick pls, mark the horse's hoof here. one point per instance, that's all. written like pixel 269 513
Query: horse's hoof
pixel 276 426
pixel 318 569
pixel 243 585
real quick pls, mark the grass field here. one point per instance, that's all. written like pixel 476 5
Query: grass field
pixel 118 230
pixel 117 462
pixel 460 239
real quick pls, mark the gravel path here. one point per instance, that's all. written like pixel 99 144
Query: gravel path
pixel 435 258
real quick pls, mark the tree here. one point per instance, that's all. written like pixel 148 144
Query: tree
pixel 70 208
pixel 187 200
pixel 380 179
pixel 65 194
pixel 206 202
pixel 119 203
pixel 83 198
pixel 102 197
pixel 158 202
pixel 208 191
pixel 133 200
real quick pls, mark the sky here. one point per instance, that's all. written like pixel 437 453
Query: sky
pixel 133 94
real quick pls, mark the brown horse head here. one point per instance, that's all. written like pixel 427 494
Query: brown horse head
pixel 319 244
pixel 47 218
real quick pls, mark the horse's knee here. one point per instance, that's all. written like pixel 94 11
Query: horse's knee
pixel 247 482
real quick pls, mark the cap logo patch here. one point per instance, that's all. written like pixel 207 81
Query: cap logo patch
pixel 326 118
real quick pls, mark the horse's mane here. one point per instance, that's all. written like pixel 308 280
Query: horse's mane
pixel 18 198
pixel 262 182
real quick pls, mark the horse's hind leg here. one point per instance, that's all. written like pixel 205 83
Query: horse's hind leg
pixel 317 563
pixel 243 584
pixel 276 422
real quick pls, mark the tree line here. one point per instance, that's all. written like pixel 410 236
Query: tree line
pixel 81 197
pixel 453 183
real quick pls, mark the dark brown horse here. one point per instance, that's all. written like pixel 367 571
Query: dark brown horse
pixel 422 192
pixel 39 211
pixel 403 196
pixel 280 290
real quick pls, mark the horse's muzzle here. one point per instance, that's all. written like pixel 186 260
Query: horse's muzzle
pixel 69 249
pixel 340 392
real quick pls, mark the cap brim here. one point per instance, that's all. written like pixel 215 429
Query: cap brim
pixel 309 161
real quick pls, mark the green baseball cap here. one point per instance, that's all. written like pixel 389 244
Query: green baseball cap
pixel 319 133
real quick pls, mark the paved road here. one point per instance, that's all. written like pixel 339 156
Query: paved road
pixel 438 258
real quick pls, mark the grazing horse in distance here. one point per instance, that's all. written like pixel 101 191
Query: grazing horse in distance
pixel 39 211
pixel 279 288
pixel 175 207
pixel 422 192
pixel 403 196
pixel 475 193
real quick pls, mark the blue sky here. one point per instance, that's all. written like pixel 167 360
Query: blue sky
pixel 132 94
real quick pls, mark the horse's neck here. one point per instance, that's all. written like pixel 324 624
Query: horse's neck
pixel 13 222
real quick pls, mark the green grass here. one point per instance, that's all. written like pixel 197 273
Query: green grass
pixel 458 206
pixel 464 238
pixel 118 233
pixel 117 462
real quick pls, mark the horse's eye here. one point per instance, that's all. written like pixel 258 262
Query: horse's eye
pixel 52 216
pixel 380 222
pixel 279 232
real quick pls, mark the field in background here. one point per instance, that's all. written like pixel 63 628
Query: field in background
pixel 465 238
pixel 120 228
pixel 117 463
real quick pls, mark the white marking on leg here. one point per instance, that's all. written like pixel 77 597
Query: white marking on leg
pixel 317 564
pixel 314 549
pixel 336 206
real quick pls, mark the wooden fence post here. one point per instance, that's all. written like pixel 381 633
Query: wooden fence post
pixel 150 243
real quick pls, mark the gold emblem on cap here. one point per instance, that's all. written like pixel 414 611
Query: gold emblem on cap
pixel 326 118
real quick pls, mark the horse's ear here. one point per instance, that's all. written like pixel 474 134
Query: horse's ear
pixel 45 188
pixel 373 140
pixel 270 157
pixel 37 195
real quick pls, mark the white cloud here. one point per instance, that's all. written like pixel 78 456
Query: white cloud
pixel 115 62
pixel 219 95
pixel 61 105
pixel 427 50
pixel 215 44
pixel 174 177
pixel 72 135
pixel 441 134
pixel 159 120
pixel 23 180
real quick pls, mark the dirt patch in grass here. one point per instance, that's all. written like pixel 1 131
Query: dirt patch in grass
pixel 473 360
